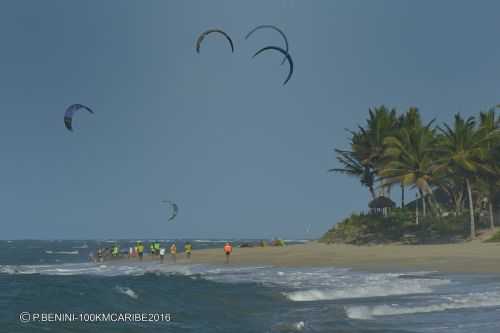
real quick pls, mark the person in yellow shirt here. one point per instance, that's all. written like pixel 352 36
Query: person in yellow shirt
pixel 187 249
pixel 140 250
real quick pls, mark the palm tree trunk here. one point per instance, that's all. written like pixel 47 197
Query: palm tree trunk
pixel 458 206
pixel 492 218
pixel 402 196
pixel 434 205
pixel 424 208
pixel 416 209
pixel 471 210
pixel 372 192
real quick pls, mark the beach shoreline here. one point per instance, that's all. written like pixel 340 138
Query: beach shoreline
pixel 467 257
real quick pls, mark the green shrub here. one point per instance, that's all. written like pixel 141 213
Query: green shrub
pixel 364 229
pixel 400 223
pixel 495 238
pixel 432 229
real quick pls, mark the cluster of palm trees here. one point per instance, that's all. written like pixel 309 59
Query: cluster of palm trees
pixel 461 159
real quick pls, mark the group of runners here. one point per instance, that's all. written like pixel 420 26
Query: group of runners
pixel 156 250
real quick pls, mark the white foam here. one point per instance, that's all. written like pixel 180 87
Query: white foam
pixel 357 292
pixel 267 275
pixel 317 284
pixel 311 284
pixel 62 252
pixel 127 291
pixel 7 270
pixel 467 301
pixel 114 269
pixel 84 246
pixel 289 326
pixel 25 269
pixel 299 326
pixel 364 286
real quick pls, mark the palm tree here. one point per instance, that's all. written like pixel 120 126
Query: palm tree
pixel 408 159
pixel 352 166
pixel 489 125
pixel 453 186
pixel 462 147
pixel 461 159
pixel 367 147
pixel 410 119
pixel 368 143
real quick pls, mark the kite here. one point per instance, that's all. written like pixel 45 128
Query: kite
pixel 70 111
pixel 203 35
pixel 175 209
pixel 274 28
pixel 279 49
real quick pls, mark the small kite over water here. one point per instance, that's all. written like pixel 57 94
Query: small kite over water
pixel 70 111
pixel 267 26
pixel 174 207
pixel 204 34
pixel 286 54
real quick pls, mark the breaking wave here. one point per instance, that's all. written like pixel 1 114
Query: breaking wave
pixel 471 300
pixel 370 285
pixel 299 285
pixel 114 269
pixel 127 291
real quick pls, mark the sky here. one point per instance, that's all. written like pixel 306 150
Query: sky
pixel 217 132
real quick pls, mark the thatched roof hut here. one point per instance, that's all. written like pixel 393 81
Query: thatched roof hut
pixel 381 205
pixel 381 202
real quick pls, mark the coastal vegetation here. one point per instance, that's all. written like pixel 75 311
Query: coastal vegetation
pixel 495 238
pixel 453 169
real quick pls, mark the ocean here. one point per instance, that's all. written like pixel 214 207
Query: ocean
pixel 50 279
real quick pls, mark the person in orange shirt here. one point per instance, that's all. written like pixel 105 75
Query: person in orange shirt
pixel 173 252
pixel 228 249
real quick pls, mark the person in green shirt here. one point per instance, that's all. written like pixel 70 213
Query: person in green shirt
pixel 187 249
pixel 140 250
pixel 115 250
pixel 156 247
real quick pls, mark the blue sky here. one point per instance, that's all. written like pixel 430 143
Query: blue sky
pixel 216 132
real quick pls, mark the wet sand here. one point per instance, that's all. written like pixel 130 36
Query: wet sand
pixel 468 257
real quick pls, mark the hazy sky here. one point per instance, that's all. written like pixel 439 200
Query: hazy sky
pixel 216 132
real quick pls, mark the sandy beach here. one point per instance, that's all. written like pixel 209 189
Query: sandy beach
pixel 468 257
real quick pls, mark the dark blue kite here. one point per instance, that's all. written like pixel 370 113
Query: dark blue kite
pixel 286 54
pixel 267 26
pixel 70 111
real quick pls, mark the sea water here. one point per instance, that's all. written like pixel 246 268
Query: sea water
pixel 56 277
